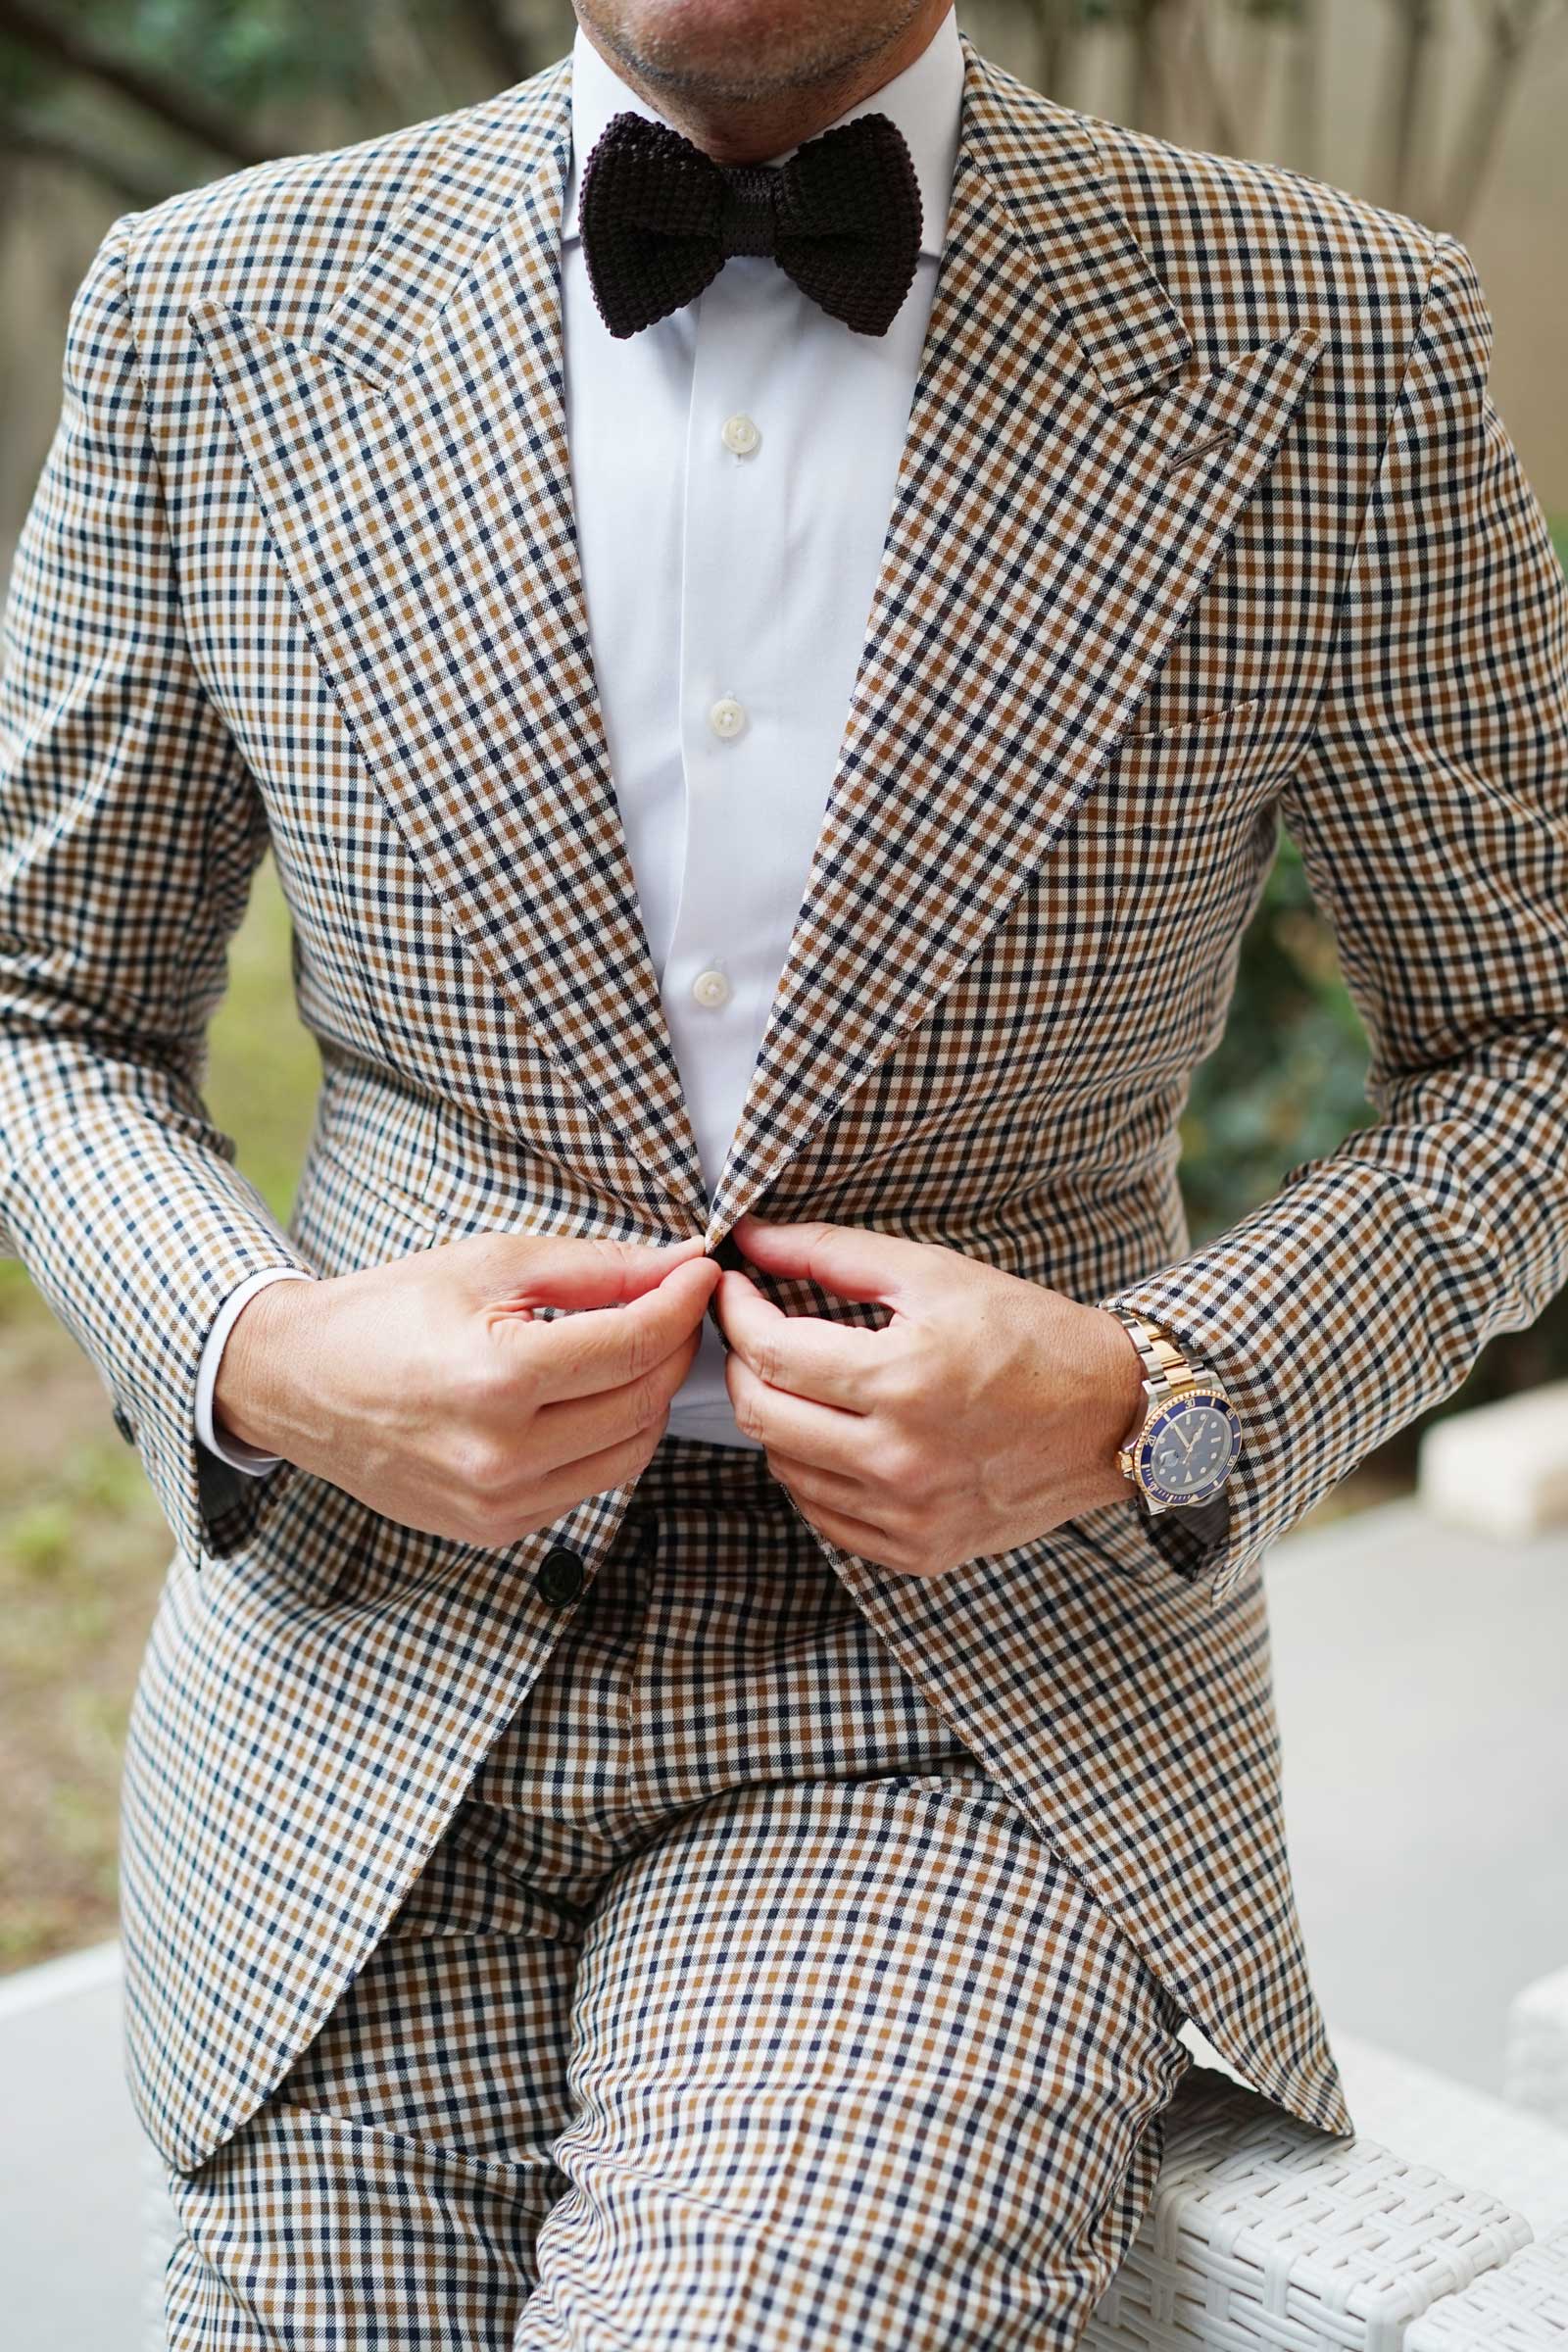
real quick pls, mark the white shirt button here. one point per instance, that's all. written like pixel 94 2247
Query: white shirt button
pixel 727 718
pixel 710 988
pixel 741 435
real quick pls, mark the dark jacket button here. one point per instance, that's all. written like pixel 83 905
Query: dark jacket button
pixel 125 1426
pixel 560 1576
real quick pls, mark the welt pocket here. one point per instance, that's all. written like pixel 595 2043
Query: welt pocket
pixel 1222 723
pixel 322 1546
pixel 401 1206
pixel 1225 765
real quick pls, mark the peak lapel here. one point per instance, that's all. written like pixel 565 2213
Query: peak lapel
pixel 1066 487
pixel 411 465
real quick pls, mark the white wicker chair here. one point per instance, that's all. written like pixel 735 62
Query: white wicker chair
pixel 1517 2156
pixel 160 2236
pixel 1264 2234
pixel 1523 2304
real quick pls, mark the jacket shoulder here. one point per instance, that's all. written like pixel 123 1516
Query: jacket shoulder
pixel 1253 250
pixel 280 239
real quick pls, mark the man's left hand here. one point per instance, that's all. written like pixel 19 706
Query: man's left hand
pixel 986 1410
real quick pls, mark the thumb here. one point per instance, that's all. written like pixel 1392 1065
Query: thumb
pixel 850 1261
pixel 569 1271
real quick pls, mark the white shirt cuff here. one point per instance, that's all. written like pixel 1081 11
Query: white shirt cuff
pixel 233 1451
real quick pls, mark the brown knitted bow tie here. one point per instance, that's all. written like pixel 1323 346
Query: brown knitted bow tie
pixel 659 219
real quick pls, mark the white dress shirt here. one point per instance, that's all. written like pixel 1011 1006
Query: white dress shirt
pixel 733 467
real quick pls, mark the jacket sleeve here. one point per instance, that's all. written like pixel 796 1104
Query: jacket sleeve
pixel 1430 811
pixel 130 833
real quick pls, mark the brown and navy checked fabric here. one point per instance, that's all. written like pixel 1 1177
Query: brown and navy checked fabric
pixel 737 2005
pixel 1204 522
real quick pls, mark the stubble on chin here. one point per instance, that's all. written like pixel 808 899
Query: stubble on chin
pixel 750 54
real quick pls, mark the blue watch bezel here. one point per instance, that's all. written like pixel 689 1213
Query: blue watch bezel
pixel 1154 1429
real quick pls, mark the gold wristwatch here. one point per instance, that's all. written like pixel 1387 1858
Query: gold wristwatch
pixel 1186 1441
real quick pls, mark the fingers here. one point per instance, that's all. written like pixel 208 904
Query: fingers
pixel 573 1429
pixel 567 1270
pixel 833 1490
pixel 849 1262
pixel 822 1434
pixel 833 1362
pixel 593 1474
pixel 858 1536
pixel 605 1348
pixel 584 1468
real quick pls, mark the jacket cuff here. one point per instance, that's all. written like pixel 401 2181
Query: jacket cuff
pixel 137 1238
pixel 1211 1542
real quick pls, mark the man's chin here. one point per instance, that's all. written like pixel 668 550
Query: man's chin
pixel 740 53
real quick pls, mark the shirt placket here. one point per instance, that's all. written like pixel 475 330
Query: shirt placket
pixel 721 966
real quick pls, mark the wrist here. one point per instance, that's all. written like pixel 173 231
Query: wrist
pixel 260 1367
pixel 1120 1400
pixel 1184 1444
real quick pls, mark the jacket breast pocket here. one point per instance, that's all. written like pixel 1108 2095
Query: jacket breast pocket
pixel 1221 766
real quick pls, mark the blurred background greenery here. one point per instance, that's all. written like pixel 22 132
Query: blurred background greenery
pixel 1446 109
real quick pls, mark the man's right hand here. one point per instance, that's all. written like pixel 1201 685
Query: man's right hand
pixel 430 1389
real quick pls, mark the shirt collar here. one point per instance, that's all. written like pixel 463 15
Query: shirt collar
pixel 925 101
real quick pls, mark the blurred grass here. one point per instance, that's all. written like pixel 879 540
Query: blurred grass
pixel 83 1546
pixel 265 1072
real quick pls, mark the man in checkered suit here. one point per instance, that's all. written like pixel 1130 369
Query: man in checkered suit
pixel 587 1881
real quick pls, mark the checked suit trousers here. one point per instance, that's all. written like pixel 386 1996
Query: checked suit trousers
pixel 736 2006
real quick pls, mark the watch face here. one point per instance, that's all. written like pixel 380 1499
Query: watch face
pixel 1190 1448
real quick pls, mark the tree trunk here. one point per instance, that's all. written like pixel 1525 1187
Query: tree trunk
pixel 1056 29
pixel 1146 77
pixel 1304 88
pixel 1209 98
pixel 50 34
pixel 1406 110
pixel 1511 30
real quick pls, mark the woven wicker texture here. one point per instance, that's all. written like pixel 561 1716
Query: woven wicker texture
pixel 1521 2308
pixel 1521 2158
pixel 160 2230
pixel 1261 2232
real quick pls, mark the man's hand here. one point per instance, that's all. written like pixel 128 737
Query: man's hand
pixel 429 1389
pixel 986 1412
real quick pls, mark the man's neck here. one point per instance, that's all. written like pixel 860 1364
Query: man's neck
pixel 748 131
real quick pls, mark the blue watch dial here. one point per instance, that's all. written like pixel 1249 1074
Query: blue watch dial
pixel 1190 1447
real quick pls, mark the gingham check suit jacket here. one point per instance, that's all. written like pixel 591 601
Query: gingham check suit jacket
pixel 1205 521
